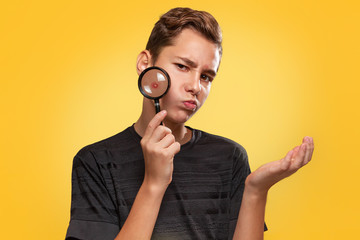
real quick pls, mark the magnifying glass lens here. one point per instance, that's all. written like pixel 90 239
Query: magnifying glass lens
pixel 154 83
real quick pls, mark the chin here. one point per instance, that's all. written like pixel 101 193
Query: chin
pixel 181 118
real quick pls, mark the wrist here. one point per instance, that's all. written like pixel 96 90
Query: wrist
pixel 255 192
pixel 153 190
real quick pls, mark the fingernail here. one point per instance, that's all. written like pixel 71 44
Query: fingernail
pixel 303 147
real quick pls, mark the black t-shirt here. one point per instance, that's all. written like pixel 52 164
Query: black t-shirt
pixel 202 201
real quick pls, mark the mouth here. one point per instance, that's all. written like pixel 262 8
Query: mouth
pixel 191 105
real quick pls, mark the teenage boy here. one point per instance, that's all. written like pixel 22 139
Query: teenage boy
pixel 171 181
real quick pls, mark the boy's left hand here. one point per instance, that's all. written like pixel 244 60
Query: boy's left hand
pixel 261 180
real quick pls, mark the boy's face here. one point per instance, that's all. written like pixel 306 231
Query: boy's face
pixel 192 62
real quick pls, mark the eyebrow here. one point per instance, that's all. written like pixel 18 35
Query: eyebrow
pixel 193 64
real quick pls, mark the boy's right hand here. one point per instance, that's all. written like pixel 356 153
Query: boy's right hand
pixel 159 148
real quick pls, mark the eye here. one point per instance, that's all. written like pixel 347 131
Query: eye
pixel 206 78
pixel 182 67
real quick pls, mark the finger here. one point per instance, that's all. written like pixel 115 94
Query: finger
pixel 309 150
pixel 159 133
pixel 154 123
pixel 295 153
pixel 299 159
pixel 167 140
pixel 312 147
pixel 288 155
pixel 174 148
pixel 285 163
pixel 306 139
pixel 307 155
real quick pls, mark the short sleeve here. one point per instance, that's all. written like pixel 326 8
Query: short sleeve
pixel 241 169
pixel 93 212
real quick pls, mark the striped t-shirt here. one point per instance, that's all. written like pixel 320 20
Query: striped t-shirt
pixel 201 202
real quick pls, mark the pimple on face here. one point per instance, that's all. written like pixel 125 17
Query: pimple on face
pixel 154 85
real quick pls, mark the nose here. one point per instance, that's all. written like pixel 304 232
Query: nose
pixel 193 84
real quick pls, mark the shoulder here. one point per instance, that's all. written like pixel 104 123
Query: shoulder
pixel 220 143
pixel 122 140
pixel 209 138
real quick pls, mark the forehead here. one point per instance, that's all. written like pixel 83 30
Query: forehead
pixel 193 45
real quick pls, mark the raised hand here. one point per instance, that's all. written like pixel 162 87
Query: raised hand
pixel 159 148
pixel 261 180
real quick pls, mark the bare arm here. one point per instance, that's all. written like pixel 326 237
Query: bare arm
pixel 159 148
pixel 250 224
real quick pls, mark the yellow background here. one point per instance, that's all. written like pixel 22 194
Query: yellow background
pixel 289 69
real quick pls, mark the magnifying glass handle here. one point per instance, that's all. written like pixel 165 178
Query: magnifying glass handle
pixel 157 105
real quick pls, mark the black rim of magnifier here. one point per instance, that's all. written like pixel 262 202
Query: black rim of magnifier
pixel 141 76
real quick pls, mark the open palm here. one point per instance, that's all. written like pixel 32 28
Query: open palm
pixel 267 175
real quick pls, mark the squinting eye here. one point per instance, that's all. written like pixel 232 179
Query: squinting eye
pixel 181 67
pixel 206 78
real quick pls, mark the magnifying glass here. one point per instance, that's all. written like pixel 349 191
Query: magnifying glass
pixel 154 82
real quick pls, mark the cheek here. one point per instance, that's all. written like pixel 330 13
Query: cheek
pixel 203 96
pixel 206 89
pixel 169 96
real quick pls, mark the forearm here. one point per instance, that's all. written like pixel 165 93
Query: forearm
pixel 250 223
pixel 142 217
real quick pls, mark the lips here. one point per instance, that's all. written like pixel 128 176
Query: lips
pixel 191 105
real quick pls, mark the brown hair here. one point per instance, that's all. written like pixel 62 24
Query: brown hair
pixel 174 21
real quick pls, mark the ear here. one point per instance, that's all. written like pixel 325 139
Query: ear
pixel 143 61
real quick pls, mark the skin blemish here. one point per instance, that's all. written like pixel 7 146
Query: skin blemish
pixel 154 85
